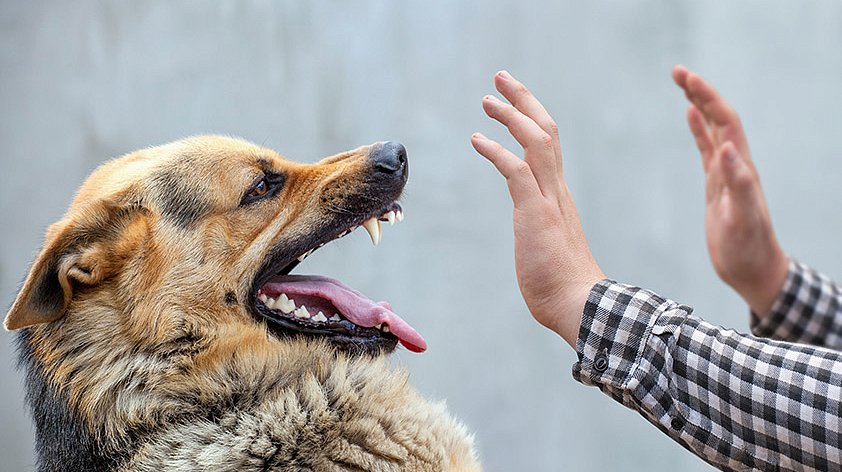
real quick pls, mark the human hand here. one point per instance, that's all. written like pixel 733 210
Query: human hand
pixel 740 237
pixel 555 268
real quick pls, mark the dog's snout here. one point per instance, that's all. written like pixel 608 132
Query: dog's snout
pixel 390 158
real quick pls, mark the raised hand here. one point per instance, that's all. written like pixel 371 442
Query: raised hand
pixel 740 237
pixel 555 268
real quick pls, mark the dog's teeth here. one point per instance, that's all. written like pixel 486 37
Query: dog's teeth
pixel 304 256
pixel 399 215
pixel 336 317
pixel 386 328
pixel 320 317
pixel 270 302
pixel 379 326
pixel 263 298
pixel 372 225
pixel 390 217
pixel 301 312
pixel 286 304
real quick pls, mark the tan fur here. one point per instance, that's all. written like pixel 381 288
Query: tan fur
pixel 139 339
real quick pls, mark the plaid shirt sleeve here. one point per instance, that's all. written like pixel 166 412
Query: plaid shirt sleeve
pixel 736 401
pixel 808 310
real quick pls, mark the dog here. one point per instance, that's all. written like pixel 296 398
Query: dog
pixel 159 328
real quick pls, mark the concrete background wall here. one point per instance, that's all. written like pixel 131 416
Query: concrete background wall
pixel 84 81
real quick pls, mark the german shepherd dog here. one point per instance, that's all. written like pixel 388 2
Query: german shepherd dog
pixel 160 330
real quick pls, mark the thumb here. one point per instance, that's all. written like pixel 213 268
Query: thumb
pixel 737 174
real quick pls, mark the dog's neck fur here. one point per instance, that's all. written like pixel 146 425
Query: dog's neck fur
pixel 300 401
pixel 62 440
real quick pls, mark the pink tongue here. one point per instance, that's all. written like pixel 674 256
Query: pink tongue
pixel 352 304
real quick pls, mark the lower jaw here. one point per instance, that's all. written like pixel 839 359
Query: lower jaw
pixel 376 344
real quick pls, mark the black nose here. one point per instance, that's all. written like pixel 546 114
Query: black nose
pixel 390 158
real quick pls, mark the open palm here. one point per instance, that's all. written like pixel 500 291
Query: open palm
pixel 740 237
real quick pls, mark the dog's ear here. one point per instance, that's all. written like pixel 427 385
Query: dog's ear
pixel 78 251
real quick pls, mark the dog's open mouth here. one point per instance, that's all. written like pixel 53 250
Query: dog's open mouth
pixel 321 306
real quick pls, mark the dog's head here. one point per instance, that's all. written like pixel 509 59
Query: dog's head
pixel 172 241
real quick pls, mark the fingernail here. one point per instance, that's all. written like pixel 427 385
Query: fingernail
pixel 505 75
pixel 491 98
pixel 478 136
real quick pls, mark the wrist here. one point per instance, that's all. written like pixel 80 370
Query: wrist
pixel 564 315
pixel 762 294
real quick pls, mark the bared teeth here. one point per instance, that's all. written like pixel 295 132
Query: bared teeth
pixel 386 329
pixel 399 215
pixel 320 317
pixel 301 312
pixel 390 217
pixel 285 304
pixel 304 256
pixel 336 317
pixel 372 225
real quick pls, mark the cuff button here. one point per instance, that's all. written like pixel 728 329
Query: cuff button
pixel 600 363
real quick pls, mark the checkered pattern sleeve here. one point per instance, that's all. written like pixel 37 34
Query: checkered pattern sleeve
pixel 808 310
pixel 736 401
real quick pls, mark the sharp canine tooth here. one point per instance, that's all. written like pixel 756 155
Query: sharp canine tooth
pixel 372 225
pixel 302 312
pixel 399 215
pixel 391 217
pixel 320 317
pixel 304 256
pixel 379 326
pixel 335 317
pixel 386 329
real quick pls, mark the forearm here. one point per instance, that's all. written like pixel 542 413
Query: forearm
pixel 734 400
pixel 807 310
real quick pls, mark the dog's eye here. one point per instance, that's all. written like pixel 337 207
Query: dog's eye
pixel 260 189
pixel 267 186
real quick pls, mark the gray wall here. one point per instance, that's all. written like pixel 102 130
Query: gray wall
pixel 84 81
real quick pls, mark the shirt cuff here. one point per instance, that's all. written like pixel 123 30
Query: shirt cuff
pixel 765 326
pixel 617 321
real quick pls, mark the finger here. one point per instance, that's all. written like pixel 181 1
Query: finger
pixel 519 177
pixel 679 75
pixel 708 100
pixel 521 98
pixel 537 145
pixel 701 134
pixel 724 120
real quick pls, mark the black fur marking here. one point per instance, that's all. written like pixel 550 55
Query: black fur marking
pixel 62 441
pixel 47 294
pixel 180 202
pixel 230 298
